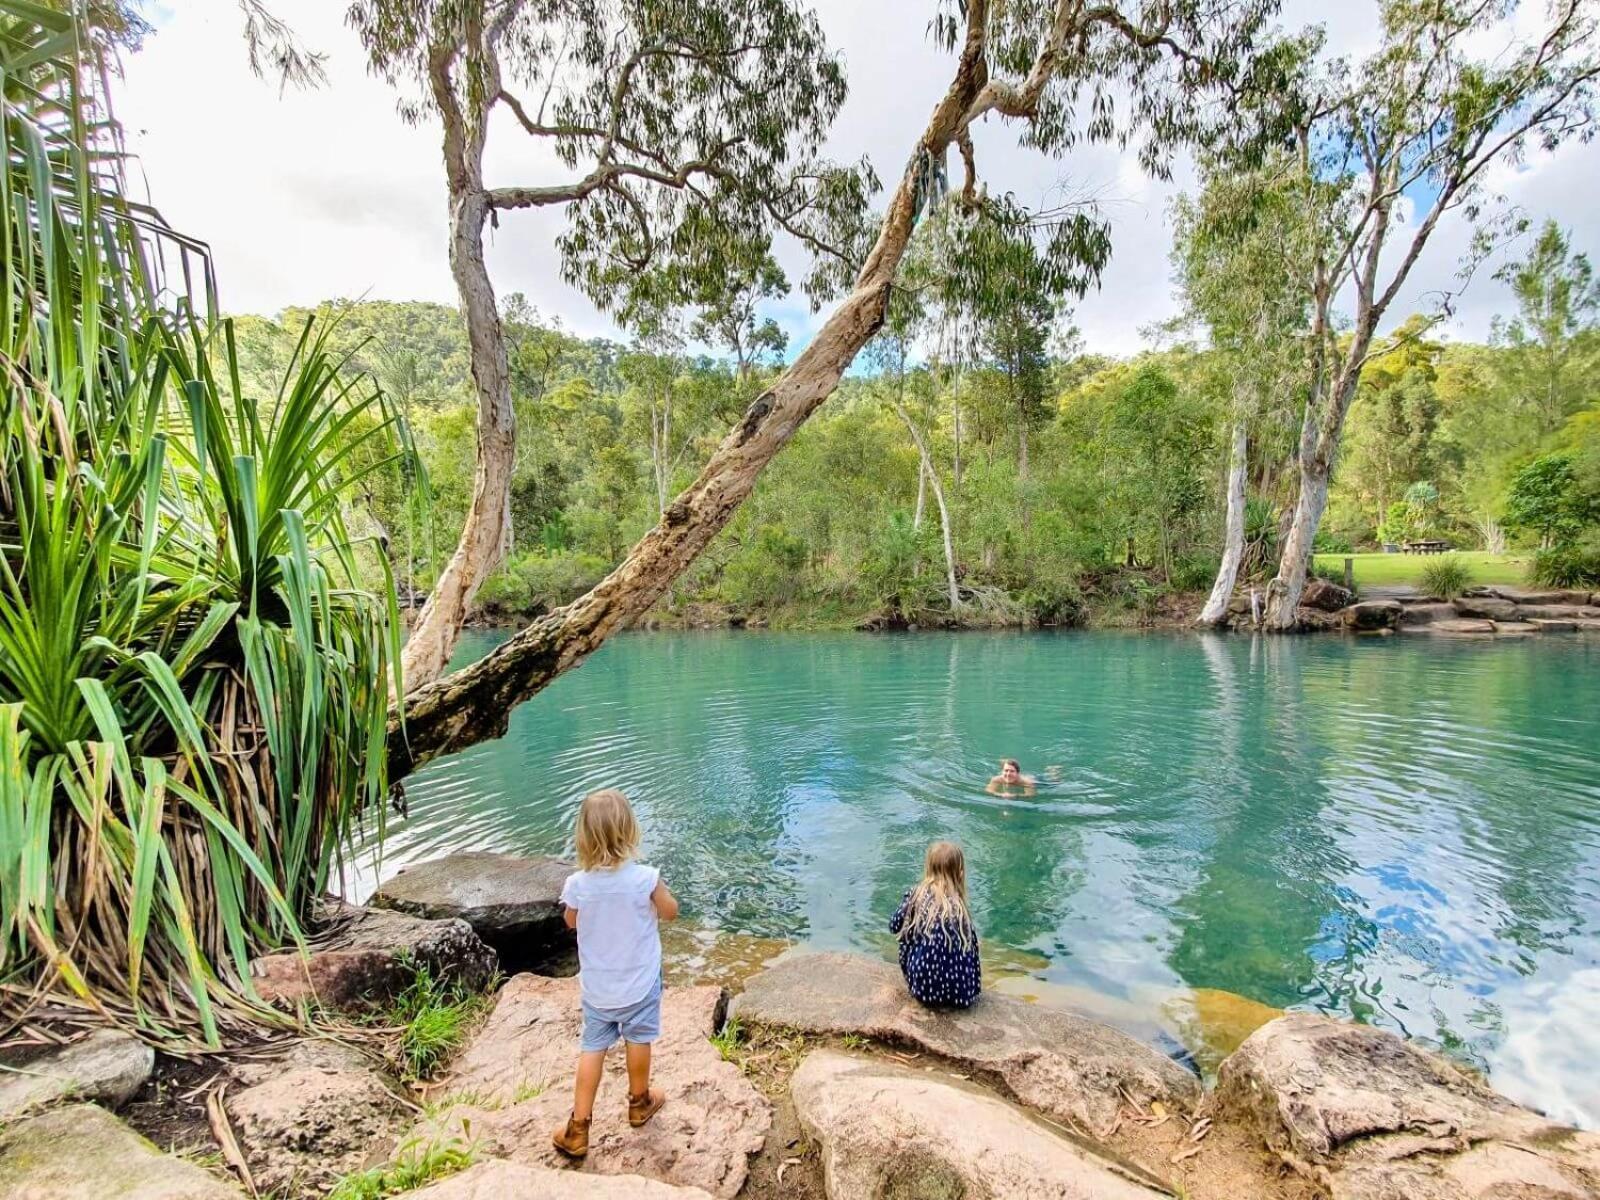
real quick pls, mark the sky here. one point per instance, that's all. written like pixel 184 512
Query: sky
pixel 306 196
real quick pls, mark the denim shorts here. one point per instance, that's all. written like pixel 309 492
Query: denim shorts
pixel 638 1023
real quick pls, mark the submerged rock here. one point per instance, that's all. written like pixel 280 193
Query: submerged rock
pixel 1372 615
pixel 1371 1117
pixel 108 1067
pixel 889 1131
pixel 1461 626
pixel 319 1113
pixel 498 1179
pixel 512 902
pixel 1063 1065
pixel 82 1152
pixel 366 954
pixel 512 1087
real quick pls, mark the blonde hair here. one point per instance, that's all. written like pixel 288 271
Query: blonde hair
pixel 941 896
pixel 608 832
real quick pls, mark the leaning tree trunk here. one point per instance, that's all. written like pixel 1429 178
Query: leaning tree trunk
pixel 922 495
pixel 1216 610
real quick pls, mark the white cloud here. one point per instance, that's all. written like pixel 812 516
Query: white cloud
pixel 328 193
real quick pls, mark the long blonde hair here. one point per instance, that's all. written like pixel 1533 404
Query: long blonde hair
pixel 941 897
pixel 608 832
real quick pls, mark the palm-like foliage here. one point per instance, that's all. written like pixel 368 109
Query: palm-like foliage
pixel 193 685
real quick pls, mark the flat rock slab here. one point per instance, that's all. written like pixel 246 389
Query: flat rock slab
pixel 1544 625
pixel 1522 595
pixel 108 1067
pixel 1486 609
pixel 1515 628
pixel 513 1085
pixel 889 1131
pixel 82 1152
pixel 512 902
pixel 1065 1066
pixel 314 1115
pixel 1372 1117
pixel 369 954
pixel 1461 626
pixel 502 1180
pixel 1557 612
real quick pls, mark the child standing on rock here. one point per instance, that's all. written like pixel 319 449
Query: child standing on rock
pixel 616 905
pixel 938 944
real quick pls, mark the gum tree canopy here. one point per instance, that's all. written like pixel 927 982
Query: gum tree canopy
pixel 688 124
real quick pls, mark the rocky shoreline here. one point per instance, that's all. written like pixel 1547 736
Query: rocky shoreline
pixel 821 1078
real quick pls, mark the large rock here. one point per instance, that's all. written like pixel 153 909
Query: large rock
pixel 513 903
pixel 1326 596
pixel 498 1179
pixel 1521 595
pixel 1426 613
pixel 368 954
pixel 1371 1117
pixel 889 1131
pixel 314 1115
pixel 1372 615
pixel 82 1152
pixel 1486 609
pixel 1547 626
pixel 108 1067
pixel 513 1087
pixel 1061 1064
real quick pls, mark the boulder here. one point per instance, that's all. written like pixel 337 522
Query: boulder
pixel 1372 615
pixel 1063 1065
pixel 367 954
pixel 1326 596
pixel 885 1130
pixel 82 1152
pixel 1412 615
pixel 513 903
pixel 1522 595
pixel 498 1179
pixel 1486 610
pixel 1461 626
pixel 1557 612
pixel 512 1087
pixel 108 1066
pixel 314 1115
pixel 1371 1117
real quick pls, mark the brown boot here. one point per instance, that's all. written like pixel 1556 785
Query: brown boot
pixel 642 1108
pixel 573 1140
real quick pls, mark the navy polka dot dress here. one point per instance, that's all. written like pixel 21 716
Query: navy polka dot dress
pixel 938 971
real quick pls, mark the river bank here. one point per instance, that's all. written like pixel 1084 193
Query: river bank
pixel 764 1081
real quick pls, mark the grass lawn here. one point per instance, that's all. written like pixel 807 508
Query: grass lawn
pixel 1383 570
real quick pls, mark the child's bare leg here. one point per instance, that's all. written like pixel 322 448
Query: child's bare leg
pixel 638 1068
pixel 590 1064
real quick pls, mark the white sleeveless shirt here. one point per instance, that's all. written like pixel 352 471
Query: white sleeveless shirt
pixel 619 935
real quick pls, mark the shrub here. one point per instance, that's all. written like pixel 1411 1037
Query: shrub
pixel 1194 572
pixel 1332 572
pixel 767 570
pixel 433 1017
pixel 1573 566
pixel 1446 577
pixel 1332 543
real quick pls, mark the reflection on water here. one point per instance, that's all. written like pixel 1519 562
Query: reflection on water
pixel 1405 831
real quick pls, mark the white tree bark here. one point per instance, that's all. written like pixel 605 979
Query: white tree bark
pixel 922 494
pixel 932 476
pixel 1216 610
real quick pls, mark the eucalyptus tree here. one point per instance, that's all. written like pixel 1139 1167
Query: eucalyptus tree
pixel 1063 73
pixel 683 129
pixel 1388 151
pixel 1239 249
pixel 730 315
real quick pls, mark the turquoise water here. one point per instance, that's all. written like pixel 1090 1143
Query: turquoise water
pixel 1405 830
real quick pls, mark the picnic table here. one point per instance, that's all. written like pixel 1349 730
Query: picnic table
pixel 1427 546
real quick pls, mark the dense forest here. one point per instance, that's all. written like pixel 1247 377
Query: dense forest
pixel 1076 486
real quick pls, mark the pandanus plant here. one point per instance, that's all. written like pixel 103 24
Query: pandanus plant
pixel 193 679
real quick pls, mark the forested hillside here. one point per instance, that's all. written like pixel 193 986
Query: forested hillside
pixel 1075 486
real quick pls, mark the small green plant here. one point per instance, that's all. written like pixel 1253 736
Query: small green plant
pixel 469 1098
pixel 416 1164
pixel 727 1040
pixel 1447 578
pixel 854 1041
pixel 528 1090
pixel 433 1017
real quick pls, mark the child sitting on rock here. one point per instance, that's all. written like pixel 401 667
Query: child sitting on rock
pixel 616 905
pixel 938 944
